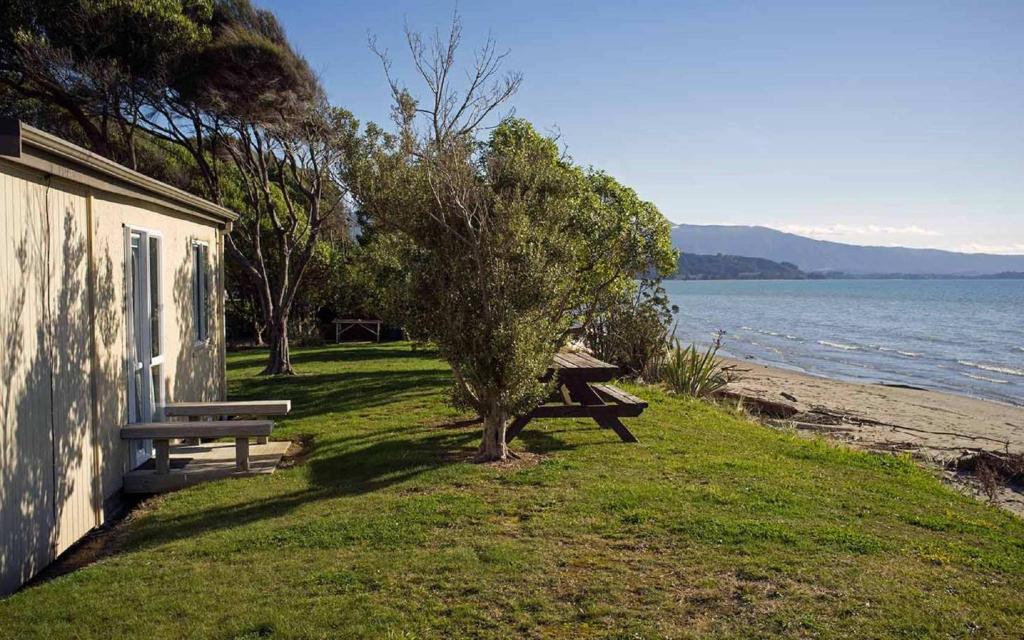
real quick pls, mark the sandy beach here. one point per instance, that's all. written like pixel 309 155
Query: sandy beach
pixel 936 427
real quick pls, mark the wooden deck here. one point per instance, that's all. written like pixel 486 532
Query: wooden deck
pixel 195 463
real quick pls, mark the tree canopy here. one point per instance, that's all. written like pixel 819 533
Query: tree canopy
pixel 505 243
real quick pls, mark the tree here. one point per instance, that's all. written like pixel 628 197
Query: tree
pixel 505 243
pixel 92 61
pixel 216 80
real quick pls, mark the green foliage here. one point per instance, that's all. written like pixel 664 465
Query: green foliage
pixel 686 370
pixel 632 331
pixel 502 245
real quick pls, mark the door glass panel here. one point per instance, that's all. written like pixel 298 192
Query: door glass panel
pixel 137 296
pixel 154 295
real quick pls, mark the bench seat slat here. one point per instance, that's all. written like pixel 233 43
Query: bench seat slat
pixel 215 429
pixel 586 411
pixel 234 408
pixel 618 395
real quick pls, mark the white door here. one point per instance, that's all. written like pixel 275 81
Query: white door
pixel 145 353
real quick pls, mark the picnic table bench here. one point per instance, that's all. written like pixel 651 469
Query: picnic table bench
pixel 161 433
pixel 580 392
pixel 228 410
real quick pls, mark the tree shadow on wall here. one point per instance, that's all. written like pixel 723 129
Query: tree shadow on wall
pixel 50 488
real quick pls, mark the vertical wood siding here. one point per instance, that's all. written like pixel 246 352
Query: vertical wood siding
pixel 26 462
pixel 63 395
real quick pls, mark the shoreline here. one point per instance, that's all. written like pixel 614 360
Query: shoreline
pixel 934 426
pixel 750 361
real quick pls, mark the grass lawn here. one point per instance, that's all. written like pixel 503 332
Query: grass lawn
pixel 711 527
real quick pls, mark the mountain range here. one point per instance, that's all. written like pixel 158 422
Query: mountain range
pixel 816 256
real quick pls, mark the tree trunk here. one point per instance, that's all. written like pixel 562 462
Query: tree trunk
pixel 280 361
pixel 258 329
pixel 493 446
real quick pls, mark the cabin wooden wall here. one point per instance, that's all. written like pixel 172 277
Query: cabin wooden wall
pixel 63 389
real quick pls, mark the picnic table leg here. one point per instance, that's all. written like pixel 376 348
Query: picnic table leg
pixel 242 453
pixel 516 428
pixel 191 441
pixel 584 394
pixel 262 439
pixel 163 456
pixel 613 423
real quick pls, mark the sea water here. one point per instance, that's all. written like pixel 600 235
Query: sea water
pixel 958 336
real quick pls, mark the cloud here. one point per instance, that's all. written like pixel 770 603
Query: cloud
pixel 831 231
pixel 1005 249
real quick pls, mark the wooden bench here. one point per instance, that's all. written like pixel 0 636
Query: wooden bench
pixel 632 405
pixel 161 433
pixel 228 410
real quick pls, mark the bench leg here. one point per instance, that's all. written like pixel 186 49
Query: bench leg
pixel 163 456
pixel 242 454
pixel 613 423
pixel 516 428
pixel 191 441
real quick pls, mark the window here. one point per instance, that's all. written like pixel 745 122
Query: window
pixel 155 307
pixel 200 291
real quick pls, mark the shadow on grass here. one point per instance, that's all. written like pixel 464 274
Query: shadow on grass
pixel 338 470
pixel 335 353
pixel 345 463
pixel 320 394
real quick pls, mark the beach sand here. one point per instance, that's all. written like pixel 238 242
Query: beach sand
pixel 935 427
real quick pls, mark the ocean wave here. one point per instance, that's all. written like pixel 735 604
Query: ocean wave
pixel 839 345
pixel 905 354
pixel 983 378
pixel 1021 349
pixel 774 334
pixel 991 367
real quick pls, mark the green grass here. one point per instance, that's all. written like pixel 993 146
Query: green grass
pixel 711 527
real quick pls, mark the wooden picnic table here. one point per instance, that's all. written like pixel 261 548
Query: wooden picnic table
pixel 580 392
pixel 195 411
pixel 343 325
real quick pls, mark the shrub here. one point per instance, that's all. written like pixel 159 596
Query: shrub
pixel 633 331
pixel 686 370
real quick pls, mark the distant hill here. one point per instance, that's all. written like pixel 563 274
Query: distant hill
pixel 822 256
pixel 694 266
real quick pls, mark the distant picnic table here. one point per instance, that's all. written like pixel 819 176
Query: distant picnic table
pixel 370 325
pixel 580 392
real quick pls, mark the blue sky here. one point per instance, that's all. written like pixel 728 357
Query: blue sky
pixel 863 122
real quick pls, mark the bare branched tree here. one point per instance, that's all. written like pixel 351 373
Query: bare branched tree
pixel 454 111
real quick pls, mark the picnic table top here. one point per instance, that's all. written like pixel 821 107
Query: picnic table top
pixel 573 360
pixel 582 366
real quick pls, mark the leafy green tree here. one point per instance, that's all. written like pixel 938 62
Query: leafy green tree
pixel 215 80
pixel 93 61
pixel 504 242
